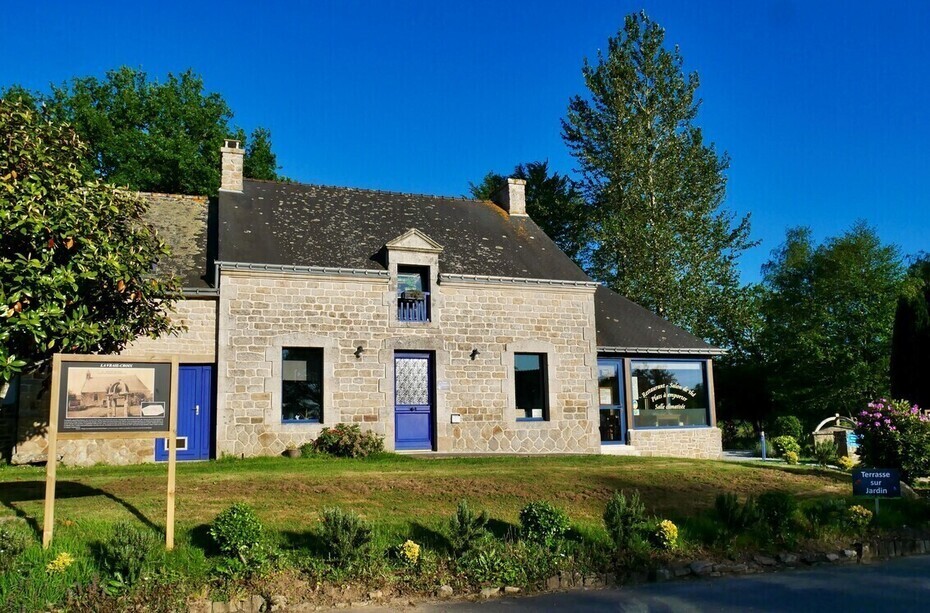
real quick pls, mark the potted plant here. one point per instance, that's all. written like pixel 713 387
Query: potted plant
pixel 292 450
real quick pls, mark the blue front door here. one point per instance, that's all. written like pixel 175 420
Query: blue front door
pixel 195 415
pixel 610 393
pixel 413 401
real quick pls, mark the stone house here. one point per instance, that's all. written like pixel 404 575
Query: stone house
pixel 444 324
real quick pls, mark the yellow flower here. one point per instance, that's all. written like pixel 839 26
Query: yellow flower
pixel 410 551
pixel 60 564
pixel 666 535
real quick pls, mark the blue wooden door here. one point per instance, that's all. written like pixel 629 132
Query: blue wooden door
pixel 413 401
pixel 195 415
pixel 610 384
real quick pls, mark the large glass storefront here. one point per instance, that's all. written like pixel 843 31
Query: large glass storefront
pixel 669 393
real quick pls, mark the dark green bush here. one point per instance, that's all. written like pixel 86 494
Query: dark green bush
pixel 825 513
pixel 238 532
pixel 491 562
pixel 734 516
pixel 128 552
pixel 466 528
pixel 788 425
pixel 776 511
pixel 825 453
pixel 540 522
pixel 348 441
pixel 346 536
pixel 785 443
pixel 625 520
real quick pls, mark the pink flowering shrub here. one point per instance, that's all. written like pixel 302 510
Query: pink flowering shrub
pixel 895 434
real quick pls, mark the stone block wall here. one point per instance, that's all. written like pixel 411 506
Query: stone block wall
pixel 198 343
pixel 262 312
pixel 703 443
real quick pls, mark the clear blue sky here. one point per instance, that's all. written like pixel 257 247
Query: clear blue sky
pixel 823 107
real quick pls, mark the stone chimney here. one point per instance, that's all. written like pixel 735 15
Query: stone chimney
pixel 232 166
pixel 512 196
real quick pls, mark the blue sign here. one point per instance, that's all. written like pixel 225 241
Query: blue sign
pixel 852 440
pixel 877 482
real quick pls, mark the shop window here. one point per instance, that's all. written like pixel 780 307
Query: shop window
pixel 669 394
pixel 531 382
pixel 302 385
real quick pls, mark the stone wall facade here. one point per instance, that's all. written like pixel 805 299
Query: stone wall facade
pixel 260 313
pixel 703 443
pixel 197 344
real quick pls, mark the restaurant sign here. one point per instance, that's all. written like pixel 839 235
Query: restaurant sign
pixel 877 482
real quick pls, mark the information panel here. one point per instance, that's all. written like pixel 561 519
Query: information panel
pixel 876 482
pixel 108 396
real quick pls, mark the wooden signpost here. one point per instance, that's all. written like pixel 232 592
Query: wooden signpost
pixel 112 397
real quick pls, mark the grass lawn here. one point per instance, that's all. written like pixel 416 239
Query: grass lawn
pixel 402 496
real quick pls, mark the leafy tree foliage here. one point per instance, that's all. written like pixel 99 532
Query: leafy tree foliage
pixel 552 201
pixel 910 353
pixel 260 161
pixel 828 319
pixel 659 234
pixel 75 255
pixel 149 135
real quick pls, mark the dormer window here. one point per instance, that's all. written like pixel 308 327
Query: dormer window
pixel 413 294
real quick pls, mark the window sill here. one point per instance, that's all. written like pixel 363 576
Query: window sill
pixel 670 427
pixel 532 419
pixel 312 422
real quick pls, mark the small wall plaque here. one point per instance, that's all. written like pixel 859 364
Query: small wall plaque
pixel 456 418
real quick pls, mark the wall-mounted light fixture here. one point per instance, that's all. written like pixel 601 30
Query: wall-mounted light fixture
pixel 474 354
pixel 358 352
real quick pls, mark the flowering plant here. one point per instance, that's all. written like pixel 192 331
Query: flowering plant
pixel 895 434
pixel 665 536
pixel 410 552
pixel 858 517
pixel 60 564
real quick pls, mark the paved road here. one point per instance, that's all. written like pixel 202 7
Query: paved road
pixel 902 584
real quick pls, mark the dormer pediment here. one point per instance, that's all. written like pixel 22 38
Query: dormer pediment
pixel 414 240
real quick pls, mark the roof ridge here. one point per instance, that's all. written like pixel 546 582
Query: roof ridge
pixel 370 190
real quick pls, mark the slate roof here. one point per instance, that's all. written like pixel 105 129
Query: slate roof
pixel 184 223
pixel 313 225
pixel 621 323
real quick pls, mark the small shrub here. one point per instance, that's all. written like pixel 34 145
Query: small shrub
pixel 12 543
pixel 237 532
pixel 492 562
pixel 845 462
pixel 776 510
pixel 665 536
pixel 625 519
pixel 788 425
pixel 542 523
pixel 791 457
pixel 858 518
pixel 466 528
pixel 348 441
pixel 409 552
pixel 824 513
pixel 825 452
pixel 734 516
pixel 346 536
pixel 127 552
pixel 784 444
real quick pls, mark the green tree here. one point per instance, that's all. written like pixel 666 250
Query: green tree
pixel 260 161
pixel 828 313
pixel 659 233
pixel 552 201
pixel 148 135
pixel 910 348
pixel 75 255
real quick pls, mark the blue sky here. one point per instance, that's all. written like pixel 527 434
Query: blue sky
pixel 823 107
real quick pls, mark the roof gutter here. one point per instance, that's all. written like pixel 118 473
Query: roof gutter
pixel 704 351
pixel 319 271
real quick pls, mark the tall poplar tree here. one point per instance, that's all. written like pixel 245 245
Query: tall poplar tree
pixel 655 188
pixel 910 349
